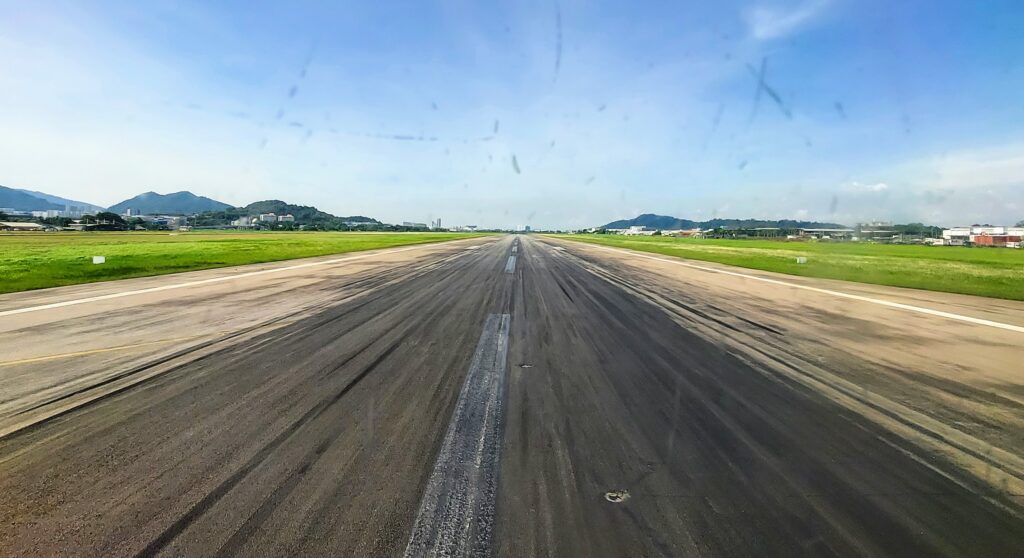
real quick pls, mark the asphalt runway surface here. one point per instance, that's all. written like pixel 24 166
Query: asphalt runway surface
pixel 507 396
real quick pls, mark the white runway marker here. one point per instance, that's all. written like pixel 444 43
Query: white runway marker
pixel 880 302
pixel 201 282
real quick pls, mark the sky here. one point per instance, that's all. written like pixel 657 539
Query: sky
pixel 553 113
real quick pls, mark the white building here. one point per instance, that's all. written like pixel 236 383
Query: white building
pixel 639 230
pixel 267 218
pixel 17 226
pixel 957 236
pixel 960 236
pixel 289 218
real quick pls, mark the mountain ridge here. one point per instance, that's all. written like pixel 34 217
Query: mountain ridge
pixel 19 200
pixel 668 222
pixel 175 203
pixel 85 206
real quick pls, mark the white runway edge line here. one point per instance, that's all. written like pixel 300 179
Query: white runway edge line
pixel 456 515
pixel 510 266
pixel 880 302
pixel 206 281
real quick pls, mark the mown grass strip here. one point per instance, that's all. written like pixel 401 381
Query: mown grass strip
pixel 991 272
pixel 36 261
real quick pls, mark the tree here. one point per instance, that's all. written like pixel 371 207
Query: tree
pixel 1020 223
pixel 108 218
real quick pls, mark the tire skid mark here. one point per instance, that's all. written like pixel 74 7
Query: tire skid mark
pixel 372 292
pixel 924 433
pixel 211 498
pixel 254 522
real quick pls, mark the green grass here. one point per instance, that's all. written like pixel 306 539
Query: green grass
pixel 992 272
pixel 36 261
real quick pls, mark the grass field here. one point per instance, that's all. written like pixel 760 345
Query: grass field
pixel 36 261
pixel 992 272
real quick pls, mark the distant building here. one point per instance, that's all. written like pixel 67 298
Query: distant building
pixel 1001 237
pixel 51 213
pixel 685 233
pixel 9 226
pixel 244 221
pixel 414 225
pixel 289 218
pixel 267 218
pixel 956 236
pixel 639 230
pixel 827 234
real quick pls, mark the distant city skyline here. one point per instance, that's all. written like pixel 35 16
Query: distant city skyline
pixel 553 114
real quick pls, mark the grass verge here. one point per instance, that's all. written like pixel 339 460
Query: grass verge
pixel 36 261
pixel 991 272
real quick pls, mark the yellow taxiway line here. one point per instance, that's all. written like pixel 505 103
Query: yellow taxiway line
pixel 94 351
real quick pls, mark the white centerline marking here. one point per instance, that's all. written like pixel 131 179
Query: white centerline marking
pixel 880 302
pixel 203 281
pixel 510 266
pixel 456 514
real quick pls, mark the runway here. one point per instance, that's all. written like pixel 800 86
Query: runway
pixel 507 396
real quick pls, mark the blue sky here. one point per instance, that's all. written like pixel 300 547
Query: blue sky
pixel 871 110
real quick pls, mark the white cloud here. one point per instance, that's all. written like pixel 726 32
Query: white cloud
pixel 772 22
pixel 870 187
pixel 969 168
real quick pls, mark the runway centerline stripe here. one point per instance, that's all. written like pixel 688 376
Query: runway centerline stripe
pixel 206 281
pixel 510 266
pixel 456 514
pixel 840 294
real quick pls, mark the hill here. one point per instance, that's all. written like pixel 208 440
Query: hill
pixel 303 213
pixel 178 203
pixel 667 222
pixel 64 202
pixel 22 201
